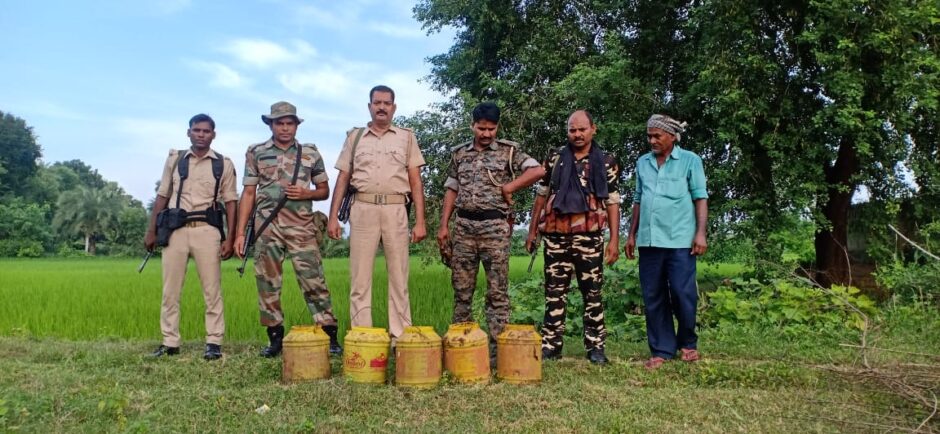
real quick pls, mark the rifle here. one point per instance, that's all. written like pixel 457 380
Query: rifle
pixel 249 240
pixel 146 258
pixel 252 235
pixel 535 251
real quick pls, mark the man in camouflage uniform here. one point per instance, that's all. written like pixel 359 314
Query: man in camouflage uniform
pixel 269 167
pixel 578 203
pixel 480 182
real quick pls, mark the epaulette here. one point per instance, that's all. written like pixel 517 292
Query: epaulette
pixel 252 147
pixel 350 131
pixel 508 143
pixel 309 145
pixel 404 128
pixel 457 148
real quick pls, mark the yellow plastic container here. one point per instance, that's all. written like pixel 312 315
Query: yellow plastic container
pixel 418 358
pixel 365 357
pixel 519 355
pixel 466 353
pixel 306 354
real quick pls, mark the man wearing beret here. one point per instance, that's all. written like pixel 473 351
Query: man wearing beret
pixel 670 212
pixel 278 174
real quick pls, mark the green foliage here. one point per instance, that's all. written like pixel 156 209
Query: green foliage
pixel 24 229
pixel 89 213
pixel 911 281
pixel 785 304
pixel 793 106
pixel 623 302
pixel 19 155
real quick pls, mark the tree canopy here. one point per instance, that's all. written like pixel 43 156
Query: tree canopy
pixel 795 106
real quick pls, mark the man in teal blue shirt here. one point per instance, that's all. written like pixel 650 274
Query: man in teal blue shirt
pixel 670 212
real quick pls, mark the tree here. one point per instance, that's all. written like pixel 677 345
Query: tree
pixel 24 229
pixel 87 212
pixel 794 105
pixel 19 154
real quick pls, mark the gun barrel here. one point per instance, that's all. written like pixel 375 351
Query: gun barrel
pixel 535 252
pixel 144 263
pixel 249 234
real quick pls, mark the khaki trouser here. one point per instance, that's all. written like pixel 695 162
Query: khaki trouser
pixel 369 223
pixel 202 243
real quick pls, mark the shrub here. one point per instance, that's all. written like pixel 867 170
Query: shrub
pixel 785 303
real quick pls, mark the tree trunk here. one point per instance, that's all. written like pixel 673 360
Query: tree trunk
pixel 90 247
pixel 832 256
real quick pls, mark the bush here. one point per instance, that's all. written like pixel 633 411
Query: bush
pixel 785 303
pixel 623 303
pixel 912 281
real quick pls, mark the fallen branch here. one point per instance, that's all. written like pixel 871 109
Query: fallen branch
pixel 914 244
pixel 935 356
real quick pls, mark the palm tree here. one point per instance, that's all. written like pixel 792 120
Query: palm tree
pixel 87 212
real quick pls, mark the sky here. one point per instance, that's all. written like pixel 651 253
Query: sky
pixel 114 83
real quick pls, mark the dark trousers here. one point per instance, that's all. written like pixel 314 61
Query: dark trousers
pixel 667 277
pixel 583 257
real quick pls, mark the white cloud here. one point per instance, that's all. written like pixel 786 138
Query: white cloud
pixel 411 94
pixel 350 16
pixel 325 83
pixel 221 75
pixel 264 54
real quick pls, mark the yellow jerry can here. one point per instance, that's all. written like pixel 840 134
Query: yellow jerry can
pixel 418 356
pixel 306 354
pixel 365 357
pixel 519 354
pixel 466 353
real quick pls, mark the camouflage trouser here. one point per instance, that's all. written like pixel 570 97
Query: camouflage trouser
pixel 487 242
pixel 301 244
pixel 564 256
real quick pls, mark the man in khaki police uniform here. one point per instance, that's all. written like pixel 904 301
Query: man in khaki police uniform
pixel 269 169
pixel 386 173
pixel 196 238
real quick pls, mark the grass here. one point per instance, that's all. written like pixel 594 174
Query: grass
pixel 73 334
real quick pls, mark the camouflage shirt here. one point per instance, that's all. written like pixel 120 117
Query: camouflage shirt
pixel 591 221
pixel 477 176
pixel 270 169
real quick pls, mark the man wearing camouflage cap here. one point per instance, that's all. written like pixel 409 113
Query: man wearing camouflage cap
pixel 269 169
pixel 670 212
pixel 481 179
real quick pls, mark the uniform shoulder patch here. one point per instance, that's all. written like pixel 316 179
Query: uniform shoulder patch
pixel 310 147
pixel 252 147
pixel 460 146
pixel 507 142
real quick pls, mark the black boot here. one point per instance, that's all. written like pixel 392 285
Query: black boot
pixel 596 356
pixel 331 331
pixel 276 336
pixel 551 353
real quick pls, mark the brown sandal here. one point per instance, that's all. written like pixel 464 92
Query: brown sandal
pixel 690 355
pixel 654 363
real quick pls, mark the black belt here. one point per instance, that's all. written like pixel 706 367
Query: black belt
pixel 490 214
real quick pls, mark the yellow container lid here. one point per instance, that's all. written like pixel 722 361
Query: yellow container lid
pixel 305 333
pixel 465 334
pixel 519 333
pixel 368 334
pixel 418 334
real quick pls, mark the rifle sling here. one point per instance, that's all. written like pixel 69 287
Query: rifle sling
pixel 282 200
